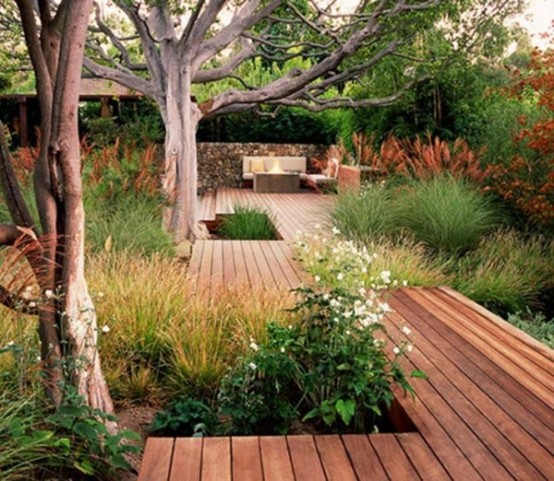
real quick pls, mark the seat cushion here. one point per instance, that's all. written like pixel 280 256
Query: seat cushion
pixel 320 178
pixel 257 165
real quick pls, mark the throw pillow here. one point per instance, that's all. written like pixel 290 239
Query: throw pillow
pixel 257 165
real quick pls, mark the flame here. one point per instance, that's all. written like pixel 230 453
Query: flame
pixel 276 168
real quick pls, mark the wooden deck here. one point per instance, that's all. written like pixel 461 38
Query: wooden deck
pixel 485 413
pixel 267 264
pixel 293 213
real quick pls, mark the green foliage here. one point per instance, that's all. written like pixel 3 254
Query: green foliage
pixel 285 125
pixel 129 223
pixel 447 214
pixel 185 417
pixel 331 368
pixel 91 448
pixel 535 325
pixel 365 216
pixel 255 395
pixel 71 442
pixel 248 223
pixel 507 273
pixel 139 123
pixel 27 447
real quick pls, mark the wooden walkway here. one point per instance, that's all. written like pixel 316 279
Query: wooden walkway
pixel 267 264
pixel 485 413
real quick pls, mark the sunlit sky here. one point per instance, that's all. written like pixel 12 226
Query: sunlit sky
pixel 538 20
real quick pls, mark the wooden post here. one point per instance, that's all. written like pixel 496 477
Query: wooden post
pixel 23 122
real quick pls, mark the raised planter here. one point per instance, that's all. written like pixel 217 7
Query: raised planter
pixel 349 178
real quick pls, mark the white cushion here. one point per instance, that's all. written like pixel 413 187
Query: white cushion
pixel 287 163
pixel 321 179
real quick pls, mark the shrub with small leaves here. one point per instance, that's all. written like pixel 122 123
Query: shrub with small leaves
pixel 331 368
pixel 185 417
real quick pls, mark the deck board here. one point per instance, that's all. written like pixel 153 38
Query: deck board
pixel 484 413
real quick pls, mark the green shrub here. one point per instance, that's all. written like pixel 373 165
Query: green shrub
pixel 131 223
pixel 248 223
pixel 447 214
pixel 26 448
pixel 72 441
pixel 185 417
pixel 507 273
pixel 365 216
pixel 330 368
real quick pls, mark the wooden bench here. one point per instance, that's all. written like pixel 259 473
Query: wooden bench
pixel 486 412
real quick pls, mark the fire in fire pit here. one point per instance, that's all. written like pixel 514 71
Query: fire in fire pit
pixel 276 167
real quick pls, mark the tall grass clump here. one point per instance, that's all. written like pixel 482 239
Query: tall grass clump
pixel 130 223
pixel 447 214
pixel 164 337
pixel 507 273
pixel 365 216
pixel 248 223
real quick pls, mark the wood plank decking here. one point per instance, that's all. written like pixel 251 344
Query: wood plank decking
pixel 269 264
pixel 484 413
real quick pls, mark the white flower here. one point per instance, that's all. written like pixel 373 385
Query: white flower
pixel 385 307
pixel 364 270
pixel 100 294
pixel 409 348
pixel 48 293
pixel 326 297
pixel 282 350
pixel 334 303
pixel 404 283
pixel 336 230
pixel 406 330
pixel 385 277
pixel 340 276
pixel 378 342
pixel 347 332
pixel 252 366
pixel 254 346
pixel 317 227
pixel 10 344
pixel 32 304
pixel 347 314
pixel 396 350
pixel 317 279
pixel 105 328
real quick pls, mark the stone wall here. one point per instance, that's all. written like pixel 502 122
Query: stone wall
pixel 220 164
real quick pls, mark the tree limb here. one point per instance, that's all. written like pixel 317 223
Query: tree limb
pixel 10 186
pixel 131 81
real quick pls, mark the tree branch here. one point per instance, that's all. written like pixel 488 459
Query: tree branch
pixel 10 187
pixel 242 21
pixel 131 81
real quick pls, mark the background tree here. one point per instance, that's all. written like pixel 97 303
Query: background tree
pixel 184 44
pixel 67 321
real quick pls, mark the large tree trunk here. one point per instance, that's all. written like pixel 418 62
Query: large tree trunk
pixel 181 116
pixel 67 322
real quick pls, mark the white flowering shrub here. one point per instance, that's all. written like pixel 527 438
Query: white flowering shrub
pixel 337 262
pixel 331 368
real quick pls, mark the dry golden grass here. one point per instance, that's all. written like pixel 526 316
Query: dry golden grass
pixel 164 338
